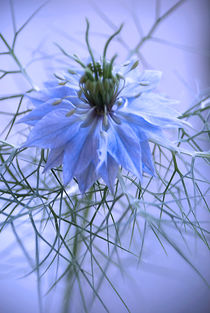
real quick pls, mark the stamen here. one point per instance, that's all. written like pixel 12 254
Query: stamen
pixel 105 119
pixel 70 113
pixel 115 118
pixel 57 102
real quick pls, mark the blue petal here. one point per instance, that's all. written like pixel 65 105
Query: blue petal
pixel 90 146
pixel 38 113
pixel 128 66
pixel 59 92
pixel 156 109
pixel 37 97
pixel 53 130
pixel 108 171
pixel 87 177
pixel 147 162
pixel 124 147
pixel 50 84
pixel 140 126
pixel 149 79
pixel 140 122
pixel 55 158
pixel 136 83
pixel 80 151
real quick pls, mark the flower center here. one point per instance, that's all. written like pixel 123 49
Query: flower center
pixel 99 87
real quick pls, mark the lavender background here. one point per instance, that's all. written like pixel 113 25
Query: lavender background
pixel 162 283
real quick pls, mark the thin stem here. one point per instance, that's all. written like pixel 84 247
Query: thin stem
pixel 12 53
pixel 155 25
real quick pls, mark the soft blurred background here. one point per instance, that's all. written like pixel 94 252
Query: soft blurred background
pixel 179 47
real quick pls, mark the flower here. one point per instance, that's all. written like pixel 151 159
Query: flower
pixel 99 117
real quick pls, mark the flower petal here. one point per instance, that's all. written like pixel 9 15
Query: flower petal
pixel 108 171
pixel 87 177
pixel 137 82
pixel 147 162
pixel 59 92
pixel 143 127
pixel 156 109
pixel 137 121
pixel 124 147
pixel 38 113
pixel 81 150
pixel 53 130
pixel 55 158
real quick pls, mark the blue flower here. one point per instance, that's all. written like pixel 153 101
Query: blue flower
pixel 100 118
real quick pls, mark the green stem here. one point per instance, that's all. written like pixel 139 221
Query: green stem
pixel 72 270
pixel 23 71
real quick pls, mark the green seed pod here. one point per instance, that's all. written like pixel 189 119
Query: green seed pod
pixel 89 74
pixel 83 79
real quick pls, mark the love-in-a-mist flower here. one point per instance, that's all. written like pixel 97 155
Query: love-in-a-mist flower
pixel 100 117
